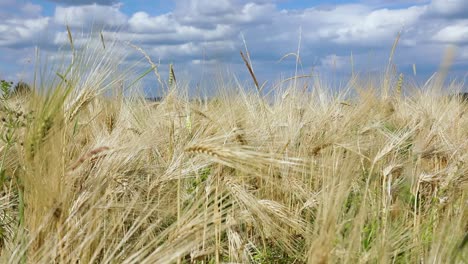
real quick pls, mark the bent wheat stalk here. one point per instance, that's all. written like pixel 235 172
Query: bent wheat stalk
pixel 87 156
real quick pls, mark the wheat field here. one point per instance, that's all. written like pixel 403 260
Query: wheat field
pixel 375 173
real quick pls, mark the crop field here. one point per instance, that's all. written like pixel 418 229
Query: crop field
pixel 91 172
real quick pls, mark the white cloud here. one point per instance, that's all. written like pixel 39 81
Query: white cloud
pixel 142 22
pixel 394 3
pixel 89 15
pixel 359 25
pixel 334 62
pixel 191 50
pixel 179 35
pixel 11 9
pixel 463 53
pixel 207 7
pixel 454 33
pixel 31 10
pixel 449 8
pixel 207 13
pixel 85 2
pixel 212 62
pixel 23 32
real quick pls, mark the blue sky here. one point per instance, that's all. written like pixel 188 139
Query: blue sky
pixel 204 37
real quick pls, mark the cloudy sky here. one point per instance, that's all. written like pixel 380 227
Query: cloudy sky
pixel 203 37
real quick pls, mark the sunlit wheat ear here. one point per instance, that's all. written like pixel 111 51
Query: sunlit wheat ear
pixel 83 99
pixel 207 150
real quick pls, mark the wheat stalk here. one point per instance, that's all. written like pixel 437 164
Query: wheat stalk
pixel 148 58
pixel 87 156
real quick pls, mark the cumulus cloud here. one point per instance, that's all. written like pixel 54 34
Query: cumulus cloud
pixel 329 29
pixel 31 10
pixel 90 15
pixel 207 7
pixel 449 8
pixel 23 32
pixel 388 3
pixel 206 13
pixel 141 22
pixel 359 25
pixel 10 9
pixel 464 53
pixel 85 2
pixel 334 62
pixel 456 33
pixel 166 29
pixel 191 50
